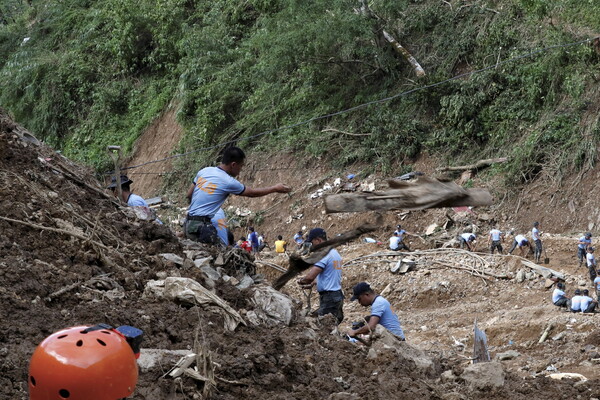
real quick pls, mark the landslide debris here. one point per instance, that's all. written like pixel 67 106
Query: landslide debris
pixel 71 256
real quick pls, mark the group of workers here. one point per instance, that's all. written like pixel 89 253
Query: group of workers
pixel 326 274
pixel 580 302
pixel 210 189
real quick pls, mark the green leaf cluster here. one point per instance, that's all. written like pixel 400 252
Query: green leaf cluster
pixel 93 73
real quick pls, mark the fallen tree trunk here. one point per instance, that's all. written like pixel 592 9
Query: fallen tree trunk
pixel 418 195
pixel 478 165
pixel 317 252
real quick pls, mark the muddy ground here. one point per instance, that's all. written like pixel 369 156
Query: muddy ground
pixel 58 229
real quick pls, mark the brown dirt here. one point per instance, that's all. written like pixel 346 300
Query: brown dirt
pixel 266 362
pixel 155 143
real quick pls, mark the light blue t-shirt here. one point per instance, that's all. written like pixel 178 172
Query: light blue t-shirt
pixel 584 240
pixel 330 278
pixel 213 185
pixel 381 308
pixel 495 233
pixel 585 302
pixel 136 201
pixel 597 282
pixel 535 234
pixel 576 303
pixel 298 238
pixel 220 223
pixel 557 294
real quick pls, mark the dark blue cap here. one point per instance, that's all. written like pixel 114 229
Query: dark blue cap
pixel 360 288
pixel 316 233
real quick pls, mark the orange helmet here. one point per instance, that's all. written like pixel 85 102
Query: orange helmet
pixel 83 363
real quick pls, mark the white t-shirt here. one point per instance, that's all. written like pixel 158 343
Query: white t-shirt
pixel 467 237
pixel 521 240
pixel 591 260
pixel 394 242
pixel 585 302
pixel 535 234
pixel 557 294
pixel 495 234
pixel 576 303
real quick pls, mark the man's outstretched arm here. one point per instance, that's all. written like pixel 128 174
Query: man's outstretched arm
pixel 259 192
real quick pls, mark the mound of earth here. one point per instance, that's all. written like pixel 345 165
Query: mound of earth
pixel 70 255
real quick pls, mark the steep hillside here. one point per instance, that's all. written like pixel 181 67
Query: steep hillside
pixel 83 74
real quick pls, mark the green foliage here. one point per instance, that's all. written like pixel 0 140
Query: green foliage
pixel 96 72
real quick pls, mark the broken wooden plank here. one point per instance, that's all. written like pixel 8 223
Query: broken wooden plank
pixel 181 366
pixel 543 271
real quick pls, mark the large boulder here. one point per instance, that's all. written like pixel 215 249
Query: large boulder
pixel 484 375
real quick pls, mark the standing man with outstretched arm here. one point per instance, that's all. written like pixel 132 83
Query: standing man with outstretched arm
pixel 210 189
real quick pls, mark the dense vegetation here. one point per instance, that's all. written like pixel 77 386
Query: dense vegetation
pixel 86 73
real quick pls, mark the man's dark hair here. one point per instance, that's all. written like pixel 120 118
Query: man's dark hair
pixel 586 292
pixel 126 187
pixel 251 229
pixel 279 237
pixel 233 154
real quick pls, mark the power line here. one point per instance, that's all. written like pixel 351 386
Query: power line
pixel 364 105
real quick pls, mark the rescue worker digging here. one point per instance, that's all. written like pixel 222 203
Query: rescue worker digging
pixel 328 275
pixel 381 312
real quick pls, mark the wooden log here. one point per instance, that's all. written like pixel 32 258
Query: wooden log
pixel 421 194
pixel 478 165
pixel 543 271
pixel 317 252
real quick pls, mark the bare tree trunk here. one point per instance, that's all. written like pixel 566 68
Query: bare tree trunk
pixel 409 57
pixel 366 11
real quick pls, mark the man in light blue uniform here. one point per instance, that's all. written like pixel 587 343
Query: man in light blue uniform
pixel 132 199
pixel 584 242
pixel 219 221
pixel 210 189
pixel 328 274
pixel 381 312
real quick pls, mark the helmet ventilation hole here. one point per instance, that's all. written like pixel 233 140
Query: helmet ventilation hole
pixel 106 332
pixel 83 332
pixel 32 380
pixel 64 393
pixel 101 342
pixel 62 336
pixel 79 343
